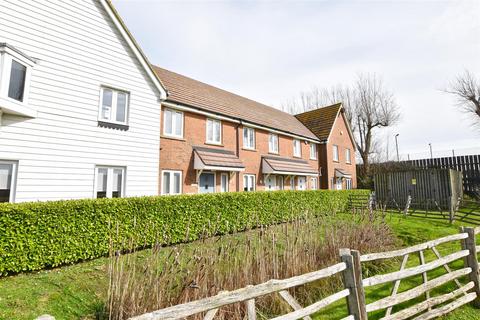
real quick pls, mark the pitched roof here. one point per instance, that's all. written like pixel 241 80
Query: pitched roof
pixel 218 157
pixel 283 165
pixel 320 121
pixel 134 46
pixel 193 93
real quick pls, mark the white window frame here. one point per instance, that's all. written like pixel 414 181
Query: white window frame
pixel 212 126
pixel 273 143
pixel 172 181
pixel 109 191
pixel 297 153
pixel 313 183
pixel 313 151
pixel 172 134
pixel 348 184
pixel 13 181
pixel 113 111
pixel 335 153
pixel 348 156
pixel 7 55
pixel 227 181
pixel 246 140
pixel 252 178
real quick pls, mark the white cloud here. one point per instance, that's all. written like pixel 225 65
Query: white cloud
pixel 270 51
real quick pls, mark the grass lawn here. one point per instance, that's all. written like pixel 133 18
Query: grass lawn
pixel 79 291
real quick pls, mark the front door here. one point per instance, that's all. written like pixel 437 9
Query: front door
pixel 302 183
pixel 271 183
pixel 339 184
pixel 207 183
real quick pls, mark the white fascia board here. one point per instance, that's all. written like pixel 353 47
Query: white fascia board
pixel 229 119
pixel 135 47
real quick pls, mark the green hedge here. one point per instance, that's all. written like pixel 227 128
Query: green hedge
pixel 46 234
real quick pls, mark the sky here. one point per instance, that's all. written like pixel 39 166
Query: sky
pixel 271 51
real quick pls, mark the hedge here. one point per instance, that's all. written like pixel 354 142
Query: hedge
pixel 37 235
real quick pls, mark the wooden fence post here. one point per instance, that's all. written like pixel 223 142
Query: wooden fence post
pixel 472 261
pixel 352 280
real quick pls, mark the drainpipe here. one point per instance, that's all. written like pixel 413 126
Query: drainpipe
pixel 237 153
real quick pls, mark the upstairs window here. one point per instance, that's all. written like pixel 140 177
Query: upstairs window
pixel 248 138
pixel 15 73
pixel 273 143
pixel 173 123
pixel 214 131
pixel 16 85
pixel 109 182
pixel 297 148
pixel 335 153
pixel 348 156
pixel 114 106
pixel 313 151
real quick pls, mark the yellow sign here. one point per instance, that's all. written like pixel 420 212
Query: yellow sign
pixel 414 181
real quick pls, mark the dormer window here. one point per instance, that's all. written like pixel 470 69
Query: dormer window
pixel 15 72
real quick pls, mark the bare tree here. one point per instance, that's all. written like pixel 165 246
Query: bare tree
pixel 466 88
pixel 368 107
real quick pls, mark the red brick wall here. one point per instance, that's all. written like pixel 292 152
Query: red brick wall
pixel 177 154
pixel 252 159
pixel 340 137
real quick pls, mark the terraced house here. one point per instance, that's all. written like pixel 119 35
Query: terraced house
pixel 216 141
pixel 83 114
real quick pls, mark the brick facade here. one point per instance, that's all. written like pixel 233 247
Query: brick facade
pixel 340 137
pixel 177 153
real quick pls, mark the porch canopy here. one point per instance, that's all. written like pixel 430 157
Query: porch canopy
pixel 339 174
pixel 287 166
pixel 212 159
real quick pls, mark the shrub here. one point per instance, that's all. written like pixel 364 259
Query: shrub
pixel 36 235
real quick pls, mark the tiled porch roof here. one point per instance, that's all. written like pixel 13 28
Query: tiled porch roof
pixel 279 165
pixel 212 157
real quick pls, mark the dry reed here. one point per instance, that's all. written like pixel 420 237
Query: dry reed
pixel 160 277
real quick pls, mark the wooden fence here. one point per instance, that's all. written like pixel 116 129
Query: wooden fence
pixel 437 187
pixel 351 266
pixel 468 165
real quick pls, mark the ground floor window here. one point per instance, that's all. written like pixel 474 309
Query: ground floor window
pixel 302 183
pixel 248 182
pixel 348 183
pixel 8 171
pixel 313 183
pixel 280 182
pixel 292 183
pixel 224 182
pixel 110 182
pixel 171 182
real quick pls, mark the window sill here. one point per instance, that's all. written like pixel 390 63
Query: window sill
pixel 336 161
pixel 214 144
pixel 249 149
pixel 274 153
pixel 18 108
pixel 111 125
pixel 298 157
pixel 172 138
pixel 313 158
